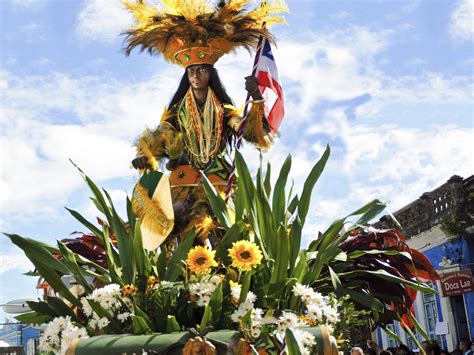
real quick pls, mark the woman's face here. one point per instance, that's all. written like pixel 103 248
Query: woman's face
pixel 198 76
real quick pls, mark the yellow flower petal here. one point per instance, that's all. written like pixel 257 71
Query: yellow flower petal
pixel 200 259
pixel 245 255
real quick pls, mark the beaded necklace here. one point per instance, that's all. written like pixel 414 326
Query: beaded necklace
pixel 202 129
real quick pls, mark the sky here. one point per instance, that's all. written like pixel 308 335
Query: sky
pixel 387 84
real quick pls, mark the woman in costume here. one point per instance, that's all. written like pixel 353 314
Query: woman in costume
pixel 199 125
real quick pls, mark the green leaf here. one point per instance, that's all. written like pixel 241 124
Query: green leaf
pixel 358 253
pixel 61 308
pixel 161 263
pixel 415 339
pixel 303 205
pixel 206 318
pixel 383 274
pixel 132 218
pixel 111 259
pixel 336 282
pixel 419 328
pixel 292 347
pixel 268 183
pixel 364 299
pixel 46 264
pixel 102 313
pixel 34 318
pixel 42 308
pixel 217 204
pixel 215 303
pixel 295 241
pixel 264 219
pixel 175 264
pixel 140 254
pixel 140 326
pixel 37 252
pixel 391 334
pixel 279 197
pixel 293 204
pixel 124 244
pixel 77 271
pixel 245 182
pixel 85 222
pixel 245 281
pixel 98 197
pixel 280 269
pixel 235 233
pixel 172 325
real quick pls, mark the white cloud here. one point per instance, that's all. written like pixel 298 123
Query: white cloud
pixel 15 261
pixel 461 25
pixel 102 21
pixel 48 119
pixel 29 33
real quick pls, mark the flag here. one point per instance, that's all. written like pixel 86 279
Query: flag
pixel 269 83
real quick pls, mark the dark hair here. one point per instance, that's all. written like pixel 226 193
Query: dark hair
pixel 214 83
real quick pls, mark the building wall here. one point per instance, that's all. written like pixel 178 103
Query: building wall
pixel 435 245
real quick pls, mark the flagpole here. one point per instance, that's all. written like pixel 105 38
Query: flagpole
pixel 240 134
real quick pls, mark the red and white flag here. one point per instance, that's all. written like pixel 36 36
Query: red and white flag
pixel 269 83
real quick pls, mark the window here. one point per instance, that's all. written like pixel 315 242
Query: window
pixel 394 327
pixel 431 317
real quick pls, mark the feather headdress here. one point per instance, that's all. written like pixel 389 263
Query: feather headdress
pixel 189 32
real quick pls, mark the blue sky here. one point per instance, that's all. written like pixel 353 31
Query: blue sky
pixel 388 84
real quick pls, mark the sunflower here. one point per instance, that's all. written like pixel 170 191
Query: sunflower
pixel 200 259
pixel 245 255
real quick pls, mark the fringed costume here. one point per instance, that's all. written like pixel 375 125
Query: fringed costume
pixel 195 137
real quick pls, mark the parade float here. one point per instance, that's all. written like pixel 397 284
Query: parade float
pixel 209 258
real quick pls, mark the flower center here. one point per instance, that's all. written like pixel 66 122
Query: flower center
pixel 245 255
pixel 201 260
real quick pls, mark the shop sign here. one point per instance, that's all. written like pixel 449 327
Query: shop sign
pixel 456 283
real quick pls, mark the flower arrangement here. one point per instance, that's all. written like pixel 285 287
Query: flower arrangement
pixel 257 283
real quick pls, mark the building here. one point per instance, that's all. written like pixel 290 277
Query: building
pixel 440 224
pixel 18 335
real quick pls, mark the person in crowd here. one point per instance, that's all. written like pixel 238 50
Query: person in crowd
pixel 465 346
pixel 357 351
pixel 402 349
pixel 372 348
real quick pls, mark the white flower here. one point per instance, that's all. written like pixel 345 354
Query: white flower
pixel 235 292
pixel 216 280
pixel 300 290
pixel 331 314
pixel 304 337
pixel 256 315
pixel 251 297
pixel 314 312
pixel 166 284
pixel 124 316
pixel 238 314
pixel 287 320
pixel 59 334
pixel 87 309
pixel 102 323
pixel 204 300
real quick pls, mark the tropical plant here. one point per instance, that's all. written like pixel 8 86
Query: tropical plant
pixel 258 279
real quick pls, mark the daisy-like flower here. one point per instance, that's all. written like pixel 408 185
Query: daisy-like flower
pixel 124 316
pixel 245 255
pixel 315 312
pixel 200 259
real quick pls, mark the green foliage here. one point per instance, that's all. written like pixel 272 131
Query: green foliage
pixel 273 218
